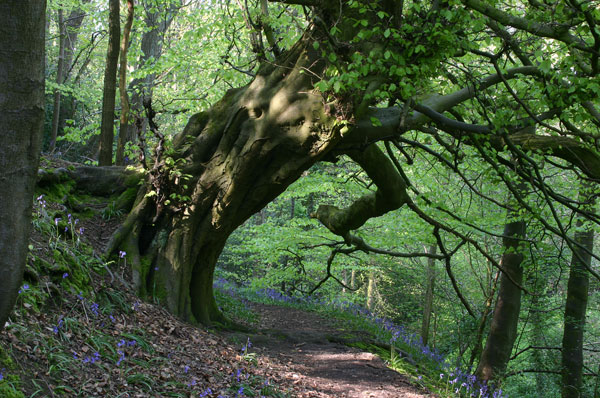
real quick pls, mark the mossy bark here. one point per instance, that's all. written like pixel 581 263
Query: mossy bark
pixel 239 156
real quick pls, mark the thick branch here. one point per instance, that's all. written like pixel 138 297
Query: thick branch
pixel 390 195
pixel 557 32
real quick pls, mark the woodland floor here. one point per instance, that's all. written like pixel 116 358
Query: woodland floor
pixel 302 346
pixel 292 350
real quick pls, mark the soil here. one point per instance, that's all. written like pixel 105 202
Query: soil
pixel 302 347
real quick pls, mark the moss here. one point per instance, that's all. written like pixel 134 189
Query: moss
pixel 126 199
pixel 133 180
pixel 10 382
pixel 57 193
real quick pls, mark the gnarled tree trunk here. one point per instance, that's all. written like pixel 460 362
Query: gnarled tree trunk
pixel 239 155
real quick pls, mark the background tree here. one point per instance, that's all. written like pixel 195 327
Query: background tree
pixel 22 119
pixel 107 129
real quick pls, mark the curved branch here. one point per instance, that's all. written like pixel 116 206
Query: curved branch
pixel 557 32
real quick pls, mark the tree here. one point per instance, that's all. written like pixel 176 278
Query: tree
pixel 107 129
pixel 361 73
pixel 124 120
pixel 157 22
pixel 576 305
pixel 22 33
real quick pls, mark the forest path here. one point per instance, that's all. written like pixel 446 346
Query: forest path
pixel 300 345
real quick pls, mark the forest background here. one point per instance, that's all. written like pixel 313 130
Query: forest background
pixel 502 182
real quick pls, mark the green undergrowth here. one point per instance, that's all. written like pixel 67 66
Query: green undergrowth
pixel 77 331
pixel 401 349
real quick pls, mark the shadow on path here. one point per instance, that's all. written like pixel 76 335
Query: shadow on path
pixel 297 344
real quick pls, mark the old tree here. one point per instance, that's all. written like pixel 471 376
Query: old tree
pixel 512 85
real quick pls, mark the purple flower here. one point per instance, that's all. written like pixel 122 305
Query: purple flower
pixel 65 275
pixel 122 254
pixel 81 230
pixel 56 220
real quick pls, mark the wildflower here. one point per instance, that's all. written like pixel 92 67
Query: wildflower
pixel 66 229
pixel 2 374
pixel 94 308
pixel 121 357
pixel 112 318
pixel 441 375
pixel 131 343
pixel 81 229
pixel 80 296
pixel 186 369
pixel 121 343
pixel 65 275
pixel 56 220
pixel 122 254
pixel 240 392
pixel 25 287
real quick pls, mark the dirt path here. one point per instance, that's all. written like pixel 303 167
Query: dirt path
pixel 298 344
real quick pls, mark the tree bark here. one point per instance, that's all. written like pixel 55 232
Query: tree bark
pixel 124 120
pixel 60 78
pixel 428 296
pixel 239 155
pixel 503 330
pixel 141 89
pixel 575 308
pixel 110 84
pixel 22 61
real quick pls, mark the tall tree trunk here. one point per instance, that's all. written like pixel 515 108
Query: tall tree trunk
pixel 477 348
pixel 157 21
pixel 428 296
pixel 503 330
pixel 22 61
pixel 371 290
pixel 60 78
pixel 241 154
pixel 73 24
pixel 110 86
pixel 124 120
pixel 576 306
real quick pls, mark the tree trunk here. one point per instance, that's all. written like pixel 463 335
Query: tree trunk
pixel 428 296
pixel 68 103
pixel 124 120
pixel 22 43
pixel 110 86
pixel 60 78
pixel 575 309
pixel 240 155
pixel 503 330
pixel 371 291
pixel 141 89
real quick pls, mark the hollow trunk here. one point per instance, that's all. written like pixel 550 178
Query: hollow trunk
pixel 228 163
